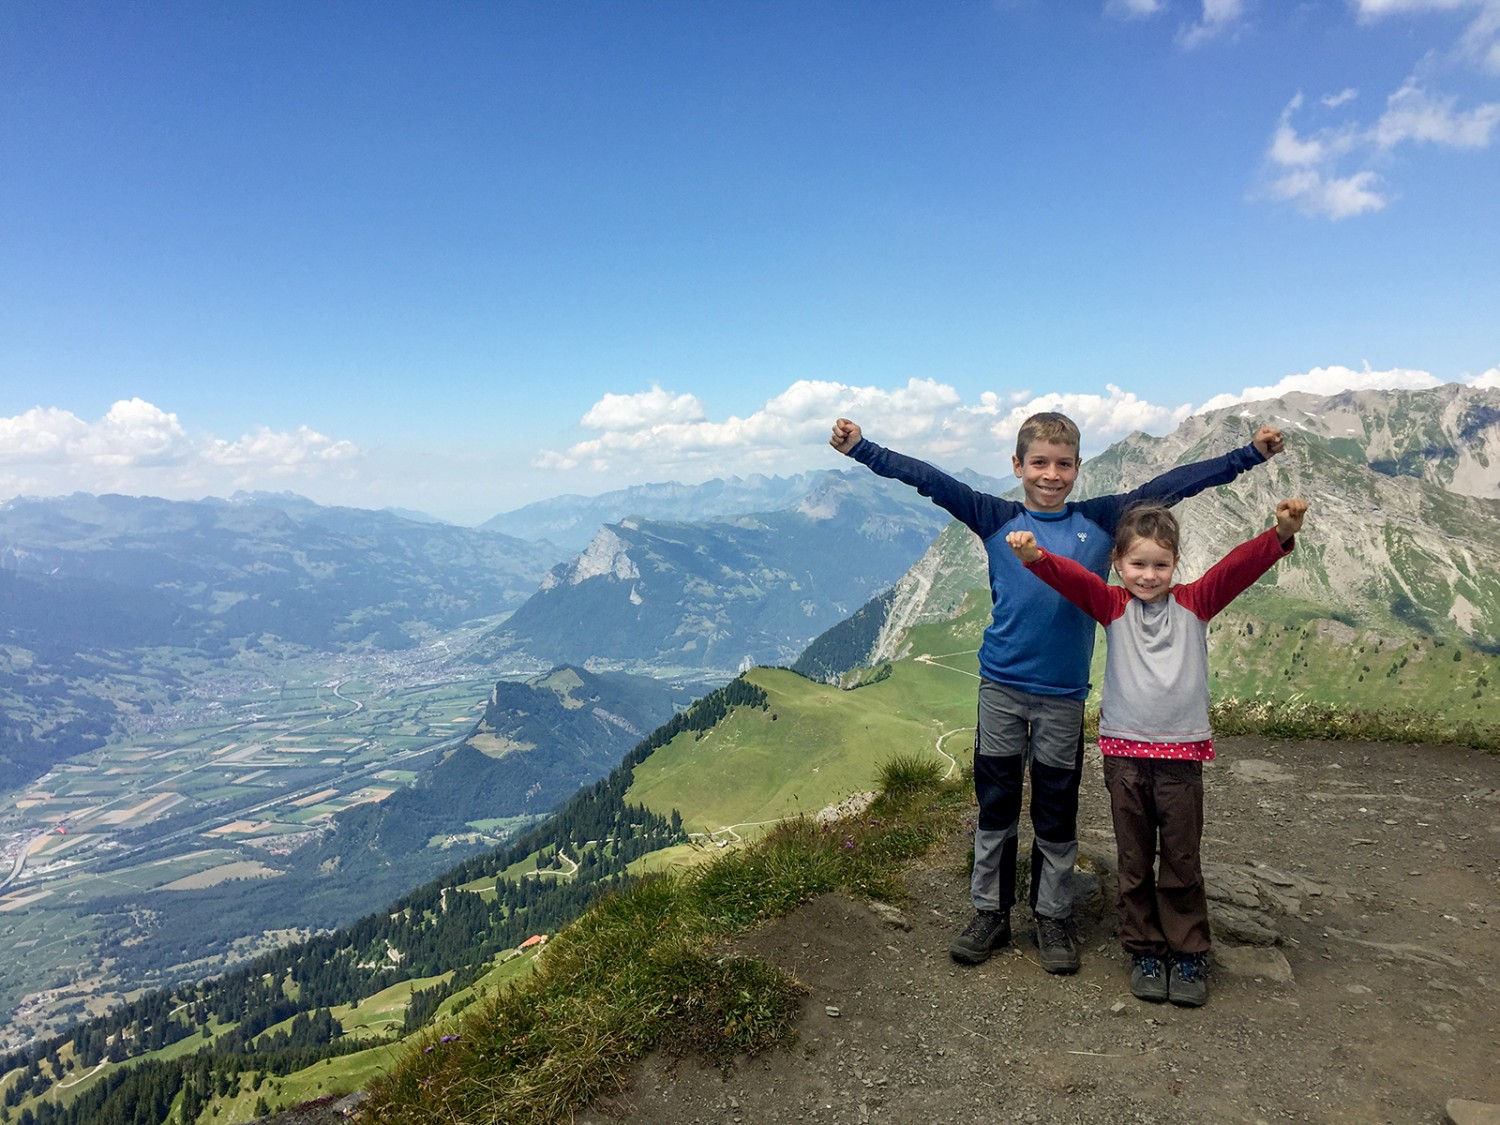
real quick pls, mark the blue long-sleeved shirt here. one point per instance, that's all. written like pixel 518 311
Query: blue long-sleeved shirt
pixel 1037 641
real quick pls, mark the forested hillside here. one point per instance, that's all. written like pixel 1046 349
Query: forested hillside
pixel 451 927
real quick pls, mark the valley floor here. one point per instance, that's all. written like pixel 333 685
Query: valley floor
pixel 1376 867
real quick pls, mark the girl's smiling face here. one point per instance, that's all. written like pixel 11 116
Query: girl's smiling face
pixel 1145 567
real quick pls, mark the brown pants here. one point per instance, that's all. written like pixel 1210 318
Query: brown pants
pixel 1159 800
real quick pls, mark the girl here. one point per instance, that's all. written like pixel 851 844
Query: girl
pixel 1153 727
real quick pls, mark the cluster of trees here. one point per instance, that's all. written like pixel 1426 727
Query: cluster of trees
pixel 847 645
pixel 435 929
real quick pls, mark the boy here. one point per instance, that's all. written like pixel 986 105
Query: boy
pixel 1034 662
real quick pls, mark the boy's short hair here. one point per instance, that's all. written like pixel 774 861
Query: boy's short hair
pixel 1047 426
pixel 1148 521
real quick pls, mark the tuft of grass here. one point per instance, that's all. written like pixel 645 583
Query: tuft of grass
pixel 905 774
pixel 1298 717
pixel 643 969
pixel 1295 717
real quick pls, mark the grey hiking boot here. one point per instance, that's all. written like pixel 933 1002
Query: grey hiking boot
pixel 987 931
pixel 1055 946
pixel 1148 978
pixel 1188 983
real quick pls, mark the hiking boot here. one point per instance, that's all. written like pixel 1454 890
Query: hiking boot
pixel 1055 945
pixel 986 932
pixel 1148 978
pixel 1188 983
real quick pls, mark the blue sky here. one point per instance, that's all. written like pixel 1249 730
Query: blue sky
pixel 462 256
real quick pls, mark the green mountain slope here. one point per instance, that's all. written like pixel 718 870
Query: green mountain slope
pixel 811 747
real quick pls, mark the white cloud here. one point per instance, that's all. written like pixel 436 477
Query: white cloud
pixel 1369 10
pixel 1102 418
pixel 1414 115
pixel 1328 172
pixel 1134 9
pixel 640 411
pixel 1329 381
pixel 139 448
pixel 133 433
pixel 1339 167
pixel 1479 43
pixel 1333 197
pixel 1489 379
pixel 923 418
pixel 277 451
pixel 1220 18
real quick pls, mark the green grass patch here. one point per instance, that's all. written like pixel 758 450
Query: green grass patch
pixel 1313 719
pixel 811 747
pixel 642 969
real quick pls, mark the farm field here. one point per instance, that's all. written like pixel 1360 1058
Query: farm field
pixel 243 779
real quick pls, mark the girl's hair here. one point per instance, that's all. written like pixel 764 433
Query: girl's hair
pixel 1148 521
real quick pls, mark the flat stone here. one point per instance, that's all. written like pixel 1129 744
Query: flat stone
pixel 1259 962
pixel 1255 769
pixel 1461 1111
pixel 890 915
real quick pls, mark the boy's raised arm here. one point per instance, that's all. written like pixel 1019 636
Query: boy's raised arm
pixel 979 512
pixel 1178 484
pixel 1268 441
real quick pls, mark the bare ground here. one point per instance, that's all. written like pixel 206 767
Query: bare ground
pixel 1356 976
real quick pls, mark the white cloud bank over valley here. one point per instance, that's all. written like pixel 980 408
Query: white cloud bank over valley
pixel 658 434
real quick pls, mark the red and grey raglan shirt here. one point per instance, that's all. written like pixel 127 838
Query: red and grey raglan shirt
pixel 1155 701
pixel 1036 641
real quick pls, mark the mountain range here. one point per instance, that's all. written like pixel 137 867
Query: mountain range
pixel 729 593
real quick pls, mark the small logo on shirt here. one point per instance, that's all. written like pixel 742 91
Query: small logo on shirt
pixel 1083 537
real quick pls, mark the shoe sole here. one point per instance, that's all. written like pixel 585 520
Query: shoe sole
pixel 1194 1001
pixel 1150 996
pixel 970 955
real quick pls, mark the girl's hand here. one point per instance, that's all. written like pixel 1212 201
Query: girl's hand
pixel 1023 543
pixel 1289 515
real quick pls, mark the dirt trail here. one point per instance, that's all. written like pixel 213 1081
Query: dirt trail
pixel 1372 870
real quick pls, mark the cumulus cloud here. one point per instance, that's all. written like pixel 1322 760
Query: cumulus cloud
pixel 924 418
pixel 640 411
pixel 1327 172
pixel 1134 9
pixel 1479 43
pixel 1412 114
pixel 1489 379
pixel 1338 164
pixel 1329 381
pixel 1220 19
pixel 137 447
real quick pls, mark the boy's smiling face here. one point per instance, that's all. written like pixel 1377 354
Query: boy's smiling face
pixel 1048 472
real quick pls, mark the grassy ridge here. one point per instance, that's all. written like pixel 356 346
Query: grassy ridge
pixel 812 747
